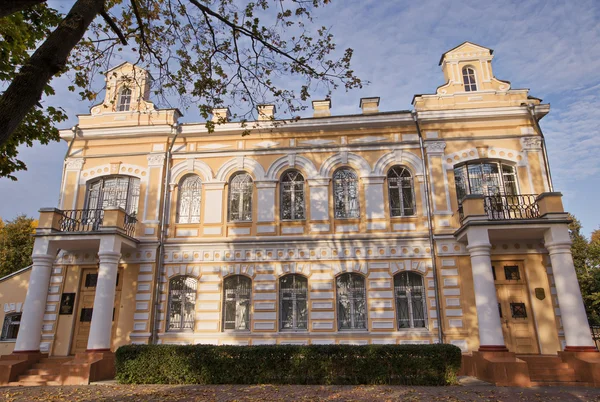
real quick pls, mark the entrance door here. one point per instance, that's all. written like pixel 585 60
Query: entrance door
pixel 85 307
pixel 514 307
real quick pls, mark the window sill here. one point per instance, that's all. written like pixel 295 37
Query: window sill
pixel 8 340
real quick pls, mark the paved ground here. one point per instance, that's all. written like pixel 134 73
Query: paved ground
pixel 247 393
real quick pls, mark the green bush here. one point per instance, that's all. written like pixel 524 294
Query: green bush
pixel 288 364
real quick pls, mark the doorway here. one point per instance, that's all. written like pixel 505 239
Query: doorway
pixel 514 307
pixel 85 308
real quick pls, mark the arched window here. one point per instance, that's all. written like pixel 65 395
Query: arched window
pixel 10 327
pixel 293 302
pixel 124 100
pixel 182 303
pixel 351 301
pixel 469 79
pixel 114 191
pixel 411 302
pixel 190 194
pixel 240 197
pixel 292 195
pixel 345 194
pixel 401 192
pixel 485 178
pixel 236 303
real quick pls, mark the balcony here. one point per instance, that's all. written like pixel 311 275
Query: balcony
pixel 521 208
pixel 86 221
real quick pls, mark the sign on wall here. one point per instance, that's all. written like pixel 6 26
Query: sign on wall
pixel 66 303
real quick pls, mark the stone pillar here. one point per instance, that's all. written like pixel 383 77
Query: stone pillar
pixel 104 302
pixel 30 331
pixel 572 310
pixel 491 337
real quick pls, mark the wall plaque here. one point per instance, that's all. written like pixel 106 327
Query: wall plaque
pixel 540 293
pixel 66 303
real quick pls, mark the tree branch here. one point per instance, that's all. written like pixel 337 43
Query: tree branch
pixel 9 7
pixel 114 27
pixel 249 34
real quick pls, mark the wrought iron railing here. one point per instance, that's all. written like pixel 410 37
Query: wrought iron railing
pixel 91 220
pixel 80 220
pixel 502 207
pixel 129 224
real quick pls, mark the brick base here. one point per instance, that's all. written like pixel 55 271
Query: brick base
pixel 88 367
pixel 498 368
pixel 15 364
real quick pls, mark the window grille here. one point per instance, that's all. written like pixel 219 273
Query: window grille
pixel 114 191
pixel 345 193
pixel 125 100
pixel 190 194
pixel 86 315
pixel 351 302
pixel 240 198
pixel 518 310
pixel 401 192
pixel 236 303
pixel 292 196
pixel 293 302
pixel 91 280
pixel 511 273
pixel 411 303
pixel 485 178
pixel 469 79
pixel 10 327
pixel 182 303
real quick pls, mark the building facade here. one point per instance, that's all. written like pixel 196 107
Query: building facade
pixel 438 224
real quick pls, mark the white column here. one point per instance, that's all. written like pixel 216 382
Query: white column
pixel 374 196
pixel 572 310
pixel 30 331
pixel 491 337
pixel 104 301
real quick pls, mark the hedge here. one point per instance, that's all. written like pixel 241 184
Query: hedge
pixel 288 364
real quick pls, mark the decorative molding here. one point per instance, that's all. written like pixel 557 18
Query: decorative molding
pixel 531 143
pixel 342 158
pixel 74 163
pixel 157 159
pixel 399 157
pixel 191 165
pixel 292 160
pixel 214 146
pixel 240 163
pixel 367 139
pixel 266 144
pixel 435 147
pixel 106 169
pixel 316 142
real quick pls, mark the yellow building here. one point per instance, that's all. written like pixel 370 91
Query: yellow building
pixel 438 224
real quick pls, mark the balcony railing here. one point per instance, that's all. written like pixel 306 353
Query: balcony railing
pixel 87 220
pixel 80 220
pixel 502 207
pixel 510 207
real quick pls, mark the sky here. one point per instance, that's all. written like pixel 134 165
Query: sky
pixel 551 47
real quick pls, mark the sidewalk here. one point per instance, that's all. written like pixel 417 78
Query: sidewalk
pixel 471 391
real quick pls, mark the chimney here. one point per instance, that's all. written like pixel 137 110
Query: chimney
pixel 369 105
pixel 322 108
pixel 266 112
pixel 221 115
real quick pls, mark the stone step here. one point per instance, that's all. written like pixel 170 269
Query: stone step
pixel 44 371
pixel 550 371
pixel 554 378
pixel 34 377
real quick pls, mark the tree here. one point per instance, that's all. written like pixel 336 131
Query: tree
pixel 586 258
pixel 204 52
pixel 16 244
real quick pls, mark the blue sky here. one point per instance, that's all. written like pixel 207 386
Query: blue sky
pixel 551 47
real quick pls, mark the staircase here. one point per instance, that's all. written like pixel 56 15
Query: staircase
pixel 45 372
pixel 551 371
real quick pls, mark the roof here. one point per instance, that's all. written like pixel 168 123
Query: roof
pixel 464 43
pixel 15 273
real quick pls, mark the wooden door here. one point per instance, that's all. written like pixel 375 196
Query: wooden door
pixel 85 308
pixel 514 307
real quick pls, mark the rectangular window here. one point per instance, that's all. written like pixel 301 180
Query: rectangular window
pixel 86 315
pixel 511 273
pixel 518 310
pixel 10 328
pixel 91 280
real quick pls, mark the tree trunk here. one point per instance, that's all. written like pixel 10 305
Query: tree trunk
pixel 28 85
pixel 8 7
